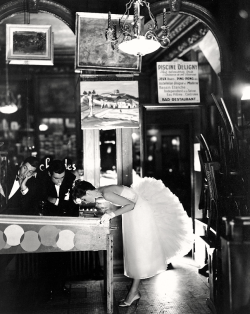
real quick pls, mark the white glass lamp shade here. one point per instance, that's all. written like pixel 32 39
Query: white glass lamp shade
pixel 246 93
pixel 43 127
pixel 139 46
pixel 8 109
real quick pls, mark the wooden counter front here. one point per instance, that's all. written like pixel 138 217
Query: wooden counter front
pixel 37 234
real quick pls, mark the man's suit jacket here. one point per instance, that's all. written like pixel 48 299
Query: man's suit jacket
pixel 19 204
pixel 66 206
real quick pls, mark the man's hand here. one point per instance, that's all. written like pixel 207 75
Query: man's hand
pixel 23 180
pixel 52 199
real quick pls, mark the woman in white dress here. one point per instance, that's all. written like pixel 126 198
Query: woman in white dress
pixel 156 228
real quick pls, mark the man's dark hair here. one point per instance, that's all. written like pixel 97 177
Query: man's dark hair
pixel 56 166
pixel 33 161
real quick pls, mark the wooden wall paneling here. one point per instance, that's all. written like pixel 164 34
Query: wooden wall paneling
pixel 91 156
pixel 124 177
pixel 124 156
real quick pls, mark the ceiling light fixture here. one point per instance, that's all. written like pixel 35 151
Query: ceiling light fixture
pixel 7 105
pixel 131 40
pixel 43 127
pixel 246 93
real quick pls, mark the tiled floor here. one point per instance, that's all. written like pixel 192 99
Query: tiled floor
pixel 176 291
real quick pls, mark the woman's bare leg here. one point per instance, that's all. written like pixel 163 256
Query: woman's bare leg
pixel 134 289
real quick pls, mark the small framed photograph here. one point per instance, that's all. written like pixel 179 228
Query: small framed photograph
pixel 29 44
pixel 94 52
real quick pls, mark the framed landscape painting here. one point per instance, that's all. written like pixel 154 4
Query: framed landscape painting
pixel 109 104
pixel 29 44
pixel 94 52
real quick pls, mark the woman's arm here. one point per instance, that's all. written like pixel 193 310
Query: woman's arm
pixel 116 199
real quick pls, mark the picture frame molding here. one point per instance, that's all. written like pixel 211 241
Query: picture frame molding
pixel 119 66
pixel 26 57
pixel 109 104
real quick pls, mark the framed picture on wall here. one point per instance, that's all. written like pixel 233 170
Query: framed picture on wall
pixel 94 52
pixel 29 44
pixel 109 104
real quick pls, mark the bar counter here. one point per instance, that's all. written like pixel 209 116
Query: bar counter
pixel 37 234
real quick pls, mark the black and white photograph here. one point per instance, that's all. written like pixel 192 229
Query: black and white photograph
pixel 124 157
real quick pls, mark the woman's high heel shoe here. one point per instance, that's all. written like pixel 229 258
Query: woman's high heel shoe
pixel 135 298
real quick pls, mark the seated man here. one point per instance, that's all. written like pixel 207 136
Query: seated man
pixel 56 189
pixel 56 185
pixel 21 194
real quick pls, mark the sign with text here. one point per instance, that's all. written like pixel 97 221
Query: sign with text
pixel 178 82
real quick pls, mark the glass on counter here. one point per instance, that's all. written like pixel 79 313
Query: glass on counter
pixel 94 209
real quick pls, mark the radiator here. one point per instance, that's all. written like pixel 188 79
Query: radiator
pixel 81 265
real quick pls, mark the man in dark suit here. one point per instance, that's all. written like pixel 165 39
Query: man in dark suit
pixel 20 195
pixel 56 190
pixel 21 192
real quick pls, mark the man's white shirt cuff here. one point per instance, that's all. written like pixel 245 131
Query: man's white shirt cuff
pixel 25 191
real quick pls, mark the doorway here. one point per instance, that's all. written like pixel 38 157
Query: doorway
pixel 168 149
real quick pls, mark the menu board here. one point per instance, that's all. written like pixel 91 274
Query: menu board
pixel 178 82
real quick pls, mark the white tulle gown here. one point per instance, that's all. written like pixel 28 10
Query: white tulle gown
pixel 156 231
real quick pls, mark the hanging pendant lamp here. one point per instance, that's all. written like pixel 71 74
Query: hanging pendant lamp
pixel 131 40
pixel 7 105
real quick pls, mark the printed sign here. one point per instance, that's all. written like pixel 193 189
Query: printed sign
pixel 68 165
pixel 178 82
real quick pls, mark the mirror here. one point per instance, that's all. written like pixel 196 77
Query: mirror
pixel 25 132
pixel 46 123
